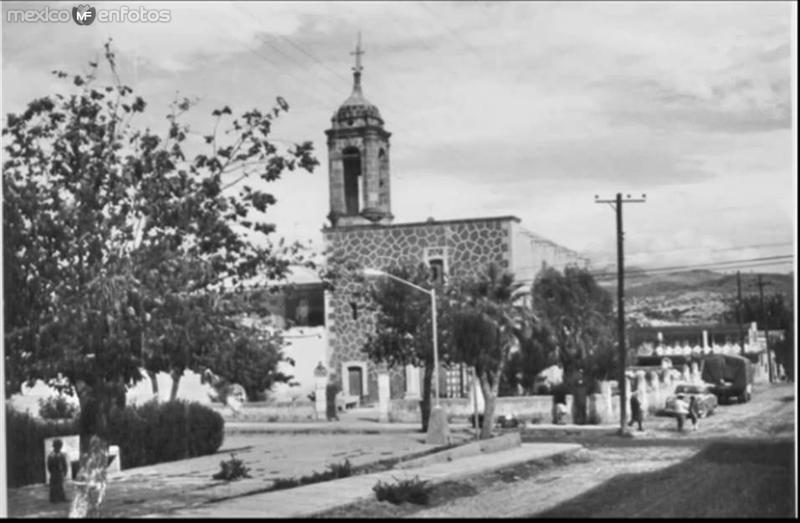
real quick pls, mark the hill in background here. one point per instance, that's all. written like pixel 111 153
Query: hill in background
pixel 690 297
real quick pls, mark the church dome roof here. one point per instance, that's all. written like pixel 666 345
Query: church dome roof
pixel 356 106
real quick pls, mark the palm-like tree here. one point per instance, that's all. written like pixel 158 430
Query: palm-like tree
pixel 488 317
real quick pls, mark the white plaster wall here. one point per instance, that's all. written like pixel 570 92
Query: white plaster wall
pixel 307 346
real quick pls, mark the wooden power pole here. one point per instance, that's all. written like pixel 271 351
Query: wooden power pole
pixel 617 205
pixel 766 328
pixel 739 310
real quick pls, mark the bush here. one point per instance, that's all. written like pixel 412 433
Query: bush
pixel 159 432
pixel 146 434
pixel 408 490
pixel 57 407
pixel 232 469
pixel 25 437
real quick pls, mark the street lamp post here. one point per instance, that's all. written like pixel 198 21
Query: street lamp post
pixel 432 293
pixel 438 431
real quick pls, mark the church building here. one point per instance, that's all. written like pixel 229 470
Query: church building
pixel 362 230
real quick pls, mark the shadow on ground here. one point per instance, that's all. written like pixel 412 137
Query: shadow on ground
pixel 753 478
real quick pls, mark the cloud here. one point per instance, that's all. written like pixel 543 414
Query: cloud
pixel 525 108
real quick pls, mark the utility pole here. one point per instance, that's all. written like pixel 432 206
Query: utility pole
pixel 617 206
pixel 766 329
pixel 739 309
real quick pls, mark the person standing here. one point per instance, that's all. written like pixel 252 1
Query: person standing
pixel 636 410
pixel 681 411
pixel 331 390
pixel 57 467
pixel 694 411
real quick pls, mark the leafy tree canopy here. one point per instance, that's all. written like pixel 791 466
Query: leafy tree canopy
pixel 122 248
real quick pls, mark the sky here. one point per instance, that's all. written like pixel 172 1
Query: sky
pixel 495 108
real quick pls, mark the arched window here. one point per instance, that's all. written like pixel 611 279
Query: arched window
pixel 351 160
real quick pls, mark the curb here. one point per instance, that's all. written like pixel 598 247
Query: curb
pixel 496 444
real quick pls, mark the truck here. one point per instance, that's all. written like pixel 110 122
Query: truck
pixel 730 376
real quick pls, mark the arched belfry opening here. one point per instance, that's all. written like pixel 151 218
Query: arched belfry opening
pixel 351 164
pixel 358 152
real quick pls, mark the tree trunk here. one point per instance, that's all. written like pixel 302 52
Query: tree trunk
pixel 489 402
pixel 153 383
pixel 96 403
pixel 176 381
pixel 425 404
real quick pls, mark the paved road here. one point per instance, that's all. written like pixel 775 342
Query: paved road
pixel 654 454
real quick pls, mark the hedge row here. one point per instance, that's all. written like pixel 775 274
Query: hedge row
pixel 146 434
pixel 25 437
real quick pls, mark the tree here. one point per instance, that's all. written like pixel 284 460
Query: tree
pixel 403 326
pixel 578 316
pixel 119 250
pixel 487 318
pixel 524 365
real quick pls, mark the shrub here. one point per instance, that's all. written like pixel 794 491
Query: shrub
pixel 408 490
pixel 146 434
pixel 232 469
pixel 158 432
pixel 335 471
pixel 25 437
pixel 57 407
pixel 341 470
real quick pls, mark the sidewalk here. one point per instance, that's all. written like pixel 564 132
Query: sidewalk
pixel 312 499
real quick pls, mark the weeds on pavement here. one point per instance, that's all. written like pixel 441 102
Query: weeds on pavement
pixel 232 469
pixel 407 490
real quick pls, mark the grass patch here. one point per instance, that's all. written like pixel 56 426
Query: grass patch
pixel 335 471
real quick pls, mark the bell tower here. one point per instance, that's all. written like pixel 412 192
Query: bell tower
pixel 358 160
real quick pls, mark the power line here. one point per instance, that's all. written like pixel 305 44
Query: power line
pixel 736 248
pixel 678 268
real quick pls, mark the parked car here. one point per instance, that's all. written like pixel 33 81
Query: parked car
pixel 706 399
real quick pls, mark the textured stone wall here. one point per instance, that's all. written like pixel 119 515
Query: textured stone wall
pixel 470 246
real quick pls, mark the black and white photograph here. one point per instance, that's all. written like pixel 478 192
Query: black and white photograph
pixel 399 259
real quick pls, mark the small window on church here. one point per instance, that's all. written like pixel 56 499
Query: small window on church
pixel 437 270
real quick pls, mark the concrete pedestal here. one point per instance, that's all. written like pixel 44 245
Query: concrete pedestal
pixel 438 430
pixel 412 383
pixel 320 399
pixel 384 393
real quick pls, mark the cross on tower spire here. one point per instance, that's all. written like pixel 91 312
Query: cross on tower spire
pixel 357 69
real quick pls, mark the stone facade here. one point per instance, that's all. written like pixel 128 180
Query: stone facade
pixel 464 247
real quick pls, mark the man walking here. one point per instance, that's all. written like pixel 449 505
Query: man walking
pixel 681 410
pixel 694 411
pixel 636 410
